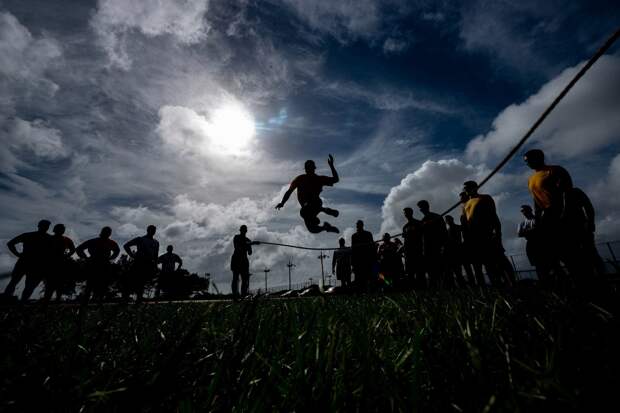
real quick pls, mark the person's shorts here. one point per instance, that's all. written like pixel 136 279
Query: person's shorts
pixel 311 209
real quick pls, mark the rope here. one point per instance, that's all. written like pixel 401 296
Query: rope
pixel 601 51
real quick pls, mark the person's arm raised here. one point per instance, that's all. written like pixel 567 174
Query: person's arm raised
pixel 330 162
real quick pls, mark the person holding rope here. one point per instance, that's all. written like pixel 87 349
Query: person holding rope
pixel 239 263
pixel 309 187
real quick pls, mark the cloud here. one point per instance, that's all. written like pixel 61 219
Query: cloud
pixel 24 64
pixel 115 20
pixel 24 56
pixel 499 29
pixel 29 137
pixel 439 182
pixel 394 46
pixel 344 20
pixel 388 100
pixel 584 122
pixel 607 207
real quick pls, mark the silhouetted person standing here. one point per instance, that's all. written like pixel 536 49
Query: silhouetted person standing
pixel 534 249
pixel 168 262
pixel 484 232
pixel 101 252
pixel 389 260
pixel 239 263
pixel 62 248
pixel 550 186
pixel 341 263
pixel 434 237
pixel 309 187
pixel 363 256
pixel 581 217
pixel 454 253
pixel 413 249
pixel 31 260
pixel 144 262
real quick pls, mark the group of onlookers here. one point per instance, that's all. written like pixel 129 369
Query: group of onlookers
pixel 439 253
pixel 46 259
pixel 436 252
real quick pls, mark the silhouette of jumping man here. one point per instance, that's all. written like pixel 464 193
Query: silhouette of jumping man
pixel 144 264
pixel 31 261
pixel 62 248
pixel 309 187
pixel 101 252
pixel 239 263
pixel 168 262
pixel 341 263
pixel 413 248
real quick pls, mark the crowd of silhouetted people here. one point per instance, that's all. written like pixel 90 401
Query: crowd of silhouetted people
pixel 47 259
pixel 436 251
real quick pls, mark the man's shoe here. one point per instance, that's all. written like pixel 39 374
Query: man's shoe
pixel 330 228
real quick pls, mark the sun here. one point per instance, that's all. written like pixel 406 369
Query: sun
pixel 231 129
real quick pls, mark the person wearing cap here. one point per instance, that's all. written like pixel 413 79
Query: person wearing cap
pixel 309 187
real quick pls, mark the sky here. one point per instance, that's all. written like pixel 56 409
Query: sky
pixel 195 115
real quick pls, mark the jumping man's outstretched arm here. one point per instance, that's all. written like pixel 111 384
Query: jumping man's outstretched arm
pixel 287 194
pixel 330 162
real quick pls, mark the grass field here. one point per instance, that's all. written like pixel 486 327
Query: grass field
pixel 455 351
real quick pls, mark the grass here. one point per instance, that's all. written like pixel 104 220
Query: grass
pixel 453 351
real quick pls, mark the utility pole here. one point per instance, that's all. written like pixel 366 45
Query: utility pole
pixel 266 270
pixel 321 256
pixel 290 265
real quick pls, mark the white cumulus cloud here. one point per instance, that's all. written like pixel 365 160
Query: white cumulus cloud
pixel 116 19
pixel 586 120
